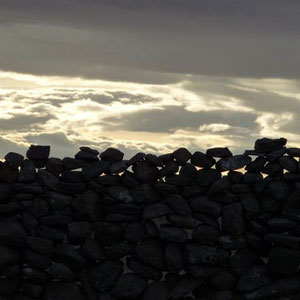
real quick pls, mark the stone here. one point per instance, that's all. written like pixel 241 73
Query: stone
pixel 86 156
pixel 129 286
pixel 14 159
pixel 54 166
pixel 170 168
pixel 205 205
pixel 143 270
pixel 280 225
pixel 94 169
pixel 118 250
pixel 188 170
pixel 134 232
pixel 118 167
pixel 12 232
pixel 254 278
pixel 250 204
pixel 108 233
pixel 171 233
pixel 202 160
pixel 62 291
pixel 224 280
pixel 120 193
pixel 266 145
pixel 233 220
pixel 219 152
pixel 257 165
pixel 233 162
pixel 136 158
pixel 102 276
pixel 293 152
pixel 196 253
pixel 38 152
pixel 174 257
pixel 178 204
pixel 206 235
pixel 145 194
pixel 47 180
pixel 35 260
pixel 8 174
pixel 182 155
pixel 155 210
pixel 111 155
pixel 78 231
pixel 153 159
pixel 92 250
pixel 72 176
pixel 70 163
pixel 206 177
pixel 288 163
pixel 32 289
pixel 67 254
pixel 240 262
pixel 40 245
pixel 183 221
pixel 61 272
pixel 156 290
pixel 152 253
pixel 9 256
pixel 145 172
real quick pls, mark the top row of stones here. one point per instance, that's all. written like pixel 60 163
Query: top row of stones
pixel 40 154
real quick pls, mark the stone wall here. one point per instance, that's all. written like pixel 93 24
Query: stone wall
pixel 175 226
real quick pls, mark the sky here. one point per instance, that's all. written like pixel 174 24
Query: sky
pixel 148 76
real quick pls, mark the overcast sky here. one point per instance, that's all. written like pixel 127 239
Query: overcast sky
pixel 148 76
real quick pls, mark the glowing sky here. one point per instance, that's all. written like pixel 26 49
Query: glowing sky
pixel 148 76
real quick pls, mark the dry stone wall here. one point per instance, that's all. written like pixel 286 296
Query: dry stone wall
pixel 174 226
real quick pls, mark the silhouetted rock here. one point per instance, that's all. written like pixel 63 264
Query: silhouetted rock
pixel 111 155
pixel 219 152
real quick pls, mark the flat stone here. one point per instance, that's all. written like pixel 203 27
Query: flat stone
pixel 111 155
pixel 202 160
pixel 78 231
pixel 8 174
pixel 196 253
pixel 233 220
pixel 134 232
pixel 54 166
pixel 35 260
pixel 171 233
pixel 14 159
pixel 38 152
pixel 120 193
pixel 40 245
pixel 62 272
pixel 129 286
pixel 206 235
pixel 12 232
pixel 92 250
pixel 102 276
pixel 72 176
pixel 206 177
pixel 266 145
pixel 186 284
pixel 156 290
pixel 219 152
pixel 108 233
pixel 9 256
pixel 136 158
pixel 86 156
pixel 188 170
pixel 70 163
pixel 170 168
pixel 118 167
pixel 288 163
pixel 224 280
pixel 178 204
pixel 174 257
pixel 182 155
pixel 62 291
pixel 153 159
pixel 254 278
pixel 118 250
pixel 205 205
pixel 94 169
pixel 145 172
pixel 293 151
pixel 152 253
pixel 257 165
pixel 155 210
pixel 143 270
pixel 27 171
pixel 232 163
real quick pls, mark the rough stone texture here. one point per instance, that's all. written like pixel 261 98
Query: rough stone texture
pixel 172 226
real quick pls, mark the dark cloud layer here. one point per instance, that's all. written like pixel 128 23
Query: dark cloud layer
pixel 151 41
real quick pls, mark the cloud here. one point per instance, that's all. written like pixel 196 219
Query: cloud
pixel 151 42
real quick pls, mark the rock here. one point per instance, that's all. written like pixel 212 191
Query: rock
pixel 280 225
pixel 233 220
pixel 102 276
pixel 155 210
pixel 240 262
pixel 206 177
pixel 27 172
pixel 178 204
pixel 152 253
pixel 266 145
pixel 14 159
pixel 293 152
pixel 205 205
pixel 92 250
pixel 145 194
pixel 233 162
pixel 72 176
pixel 156 290
pixel 143 270
pixel 224 280
pixel 145 172
pixel 108 233
pixel 32 289
pixel 257 165
pixel 40 245
pixel 54 166
pixel 62 291
pixel 120 193
pixel 129 286
pixel 118 250
pixel 78 231
pixel 8 174
pixel 38 152
pixel 174 257
pixel 12 232
pixel 254 278
pixel 182 155
pixel 86 156
pixel 283 261
pixel 46 179
pixel 93 170
pixel 219 152
pixel 288 163
pixel 136 158
pixel 202 160
pixel 111 155
pixel 195 253
pixel 206 235
pixel 118 167
pixel 188 170
pixel 153 159
pixel 134 232
pixel 170 168
pixel 283 240
pixel 9 256
pixel 62 272
pixel 66 254
pixel 171 233
pixel 35 260
pixel 70 163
